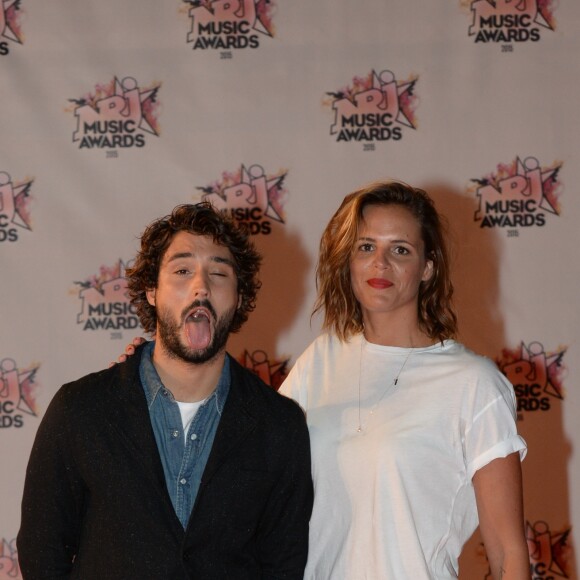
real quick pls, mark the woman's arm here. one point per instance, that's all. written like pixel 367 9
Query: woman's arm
pixel 498 493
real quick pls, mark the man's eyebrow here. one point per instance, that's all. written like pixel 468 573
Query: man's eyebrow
pixel 221 260
pixel 179 255
pixel 218 259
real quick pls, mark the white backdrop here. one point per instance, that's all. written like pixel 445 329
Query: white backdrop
pixel 113 112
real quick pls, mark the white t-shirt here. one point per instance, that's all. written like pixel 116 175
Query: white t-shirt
pixel 188 411
pixel 395 501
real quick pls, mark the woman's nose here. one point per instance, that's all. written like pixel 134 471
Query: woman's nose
pixel 381 260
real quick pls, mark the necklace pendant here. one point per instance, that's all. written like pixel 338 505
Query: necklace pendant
pixel 392 386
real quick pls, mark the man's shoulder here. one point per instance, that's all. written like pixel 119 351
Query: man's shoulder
pixel 84 391
pixel 95 384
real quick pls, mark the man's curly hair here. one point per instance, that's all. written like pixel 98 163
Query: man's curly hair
pixel 201 219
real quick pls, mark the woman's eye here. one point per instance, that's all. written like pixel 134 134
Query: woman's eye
pixel 401 250
pixel 366 248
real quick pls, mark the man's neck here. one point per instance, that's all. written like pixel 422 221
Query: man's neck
pixel 187 381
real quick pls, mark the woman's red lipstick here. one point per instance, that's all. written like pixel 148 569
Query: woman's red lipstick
pixel 379 283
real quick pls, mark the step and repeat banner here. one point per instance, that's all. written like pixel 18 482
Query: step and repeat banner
pixel 113 112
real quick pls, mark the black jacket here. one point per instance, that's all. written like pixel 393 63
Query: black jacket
pixel 95 501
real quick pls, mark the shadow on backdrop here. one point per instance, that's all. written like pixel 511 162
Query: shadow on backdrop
pixel 476 258
pixel 475 271
pixel 284 272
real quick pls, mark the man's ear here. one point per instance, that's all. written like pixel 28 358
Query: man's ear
pixel 240 298
pixel 150 296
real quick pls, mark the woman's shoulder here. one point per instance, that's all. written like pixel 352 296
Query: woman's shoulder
pixel 464 356
pixel 321 358
pixel 327 344
pixel 458 360
pixel 477 370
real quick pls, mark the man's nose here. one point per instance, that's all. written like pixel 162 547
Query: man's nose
pixel 200 285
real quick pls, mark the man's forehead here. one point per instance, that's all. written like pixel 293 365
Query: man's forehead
pixel 189 244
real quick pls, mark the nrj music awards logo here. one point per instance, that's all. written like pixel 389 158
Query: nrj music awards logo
pixel 14 207
pixel 9 568
pixel 508 21
pixel 105 302
pixel 118 114
pixel 376 107
pixel 10 30
pixel 272 373
pixel 229 24
pixel 536 375
pixel 550 552
pixel 519 194
pixel 17 393
pixel 250 196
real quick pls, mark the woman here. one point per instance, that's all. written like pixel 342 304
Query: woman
pixel 413 436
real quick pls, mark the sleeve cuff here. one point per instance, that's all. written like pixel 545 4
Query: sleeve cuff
pixel 501 449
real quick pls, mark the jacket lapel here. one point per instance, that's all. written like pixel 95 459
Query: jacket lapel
pixel 130 418
pixel 238 420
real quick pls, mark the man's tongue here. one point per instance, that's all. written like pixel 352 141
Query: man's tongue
pixel 198 331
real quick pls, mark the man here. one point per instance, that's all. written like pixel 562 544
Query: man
pixel 179 463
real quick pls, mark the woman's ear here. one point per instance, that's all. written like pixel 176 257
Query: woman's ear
pixel 428 271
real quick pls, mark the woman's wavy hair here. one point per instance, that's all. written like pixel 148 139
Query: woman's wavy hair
pixel 201 219
pixel 342 312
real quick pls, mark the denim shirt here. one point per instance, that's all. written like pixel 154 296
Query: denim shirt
pixel 183 459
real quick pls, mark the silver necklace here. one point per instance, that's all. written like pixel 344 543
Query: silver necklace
pixel 387 388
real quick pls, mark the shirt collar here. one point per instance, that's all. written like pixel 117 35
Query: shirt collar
pixel 152 384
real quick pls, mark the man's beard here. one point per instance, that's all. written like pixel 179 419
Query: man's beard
pixel 172 344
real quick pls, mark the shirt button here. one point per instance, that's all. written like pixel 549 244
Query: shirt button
pixel 193 437
pixel 165 392
pixel 175 433
pixel 183 481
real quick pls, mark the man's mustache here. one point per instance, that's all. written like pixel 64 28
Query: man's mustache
pixel 205 303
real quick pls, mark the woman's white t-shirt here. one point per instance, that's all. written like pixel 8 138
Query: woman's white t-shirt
pixel 395 501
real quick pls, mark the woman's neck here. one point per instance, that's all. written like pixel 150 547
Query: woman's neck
pixel 386 331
